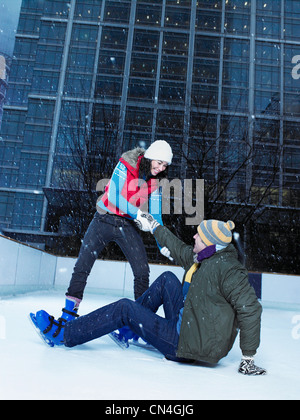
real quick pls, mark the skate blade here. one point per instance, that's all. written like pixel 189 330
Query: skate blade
pixel 124 345
pixel 144 345
pixel 33 321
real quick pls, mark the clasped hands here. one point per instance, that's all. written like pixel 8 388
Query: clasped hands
pixel 147 223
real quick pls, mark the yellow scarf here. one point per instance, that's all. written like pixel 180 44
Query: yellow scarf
pixel 188 276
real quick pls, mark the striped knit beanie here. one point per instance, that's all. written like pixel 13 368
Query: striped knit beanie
pixel 214 232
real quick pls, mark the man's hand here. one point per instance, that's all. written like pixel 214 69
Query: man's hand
pixel 247 367
pixel 145 221
pixel 166 253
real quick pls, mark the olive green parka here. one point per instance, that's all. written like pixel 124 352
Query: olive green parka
pixel 219 302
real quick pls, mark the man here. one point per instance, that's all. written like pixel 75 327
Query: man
pixel 202 315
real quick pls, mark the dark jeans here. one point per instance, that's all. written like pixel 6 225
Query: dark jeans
pixel 102 230
pixel 139 315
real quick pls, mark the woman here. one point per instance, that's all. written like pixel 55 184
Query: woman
pixel 133 186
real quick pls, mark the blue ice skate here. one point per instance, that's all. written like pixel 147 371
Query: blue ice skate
pixel 51 330
pixel 123 336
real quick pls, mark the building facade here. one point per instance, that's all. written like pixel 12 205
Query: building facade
pixel 218 79
pixel 5 63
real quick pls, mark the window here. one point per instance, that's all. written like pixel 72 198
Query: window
pixel 40 111
pixel 267 131
pixel 49 56
pixel 111 62
pixel 268 18
pixel 56 8
pixel 25 48
pixel 29 24
pixel 205 96
pixel 172 93
pixel 13 125
pixel 146 41
pixel 108 87
pixel 21 73
pixel 141 89
pixel 32 170
pixel 138 119
pixel 206 61
pixel 88 9
pixel 117 11
pixel 235 74
pixel 175 43
pixel 45 82
pixel 114 38
pixel 208 20
pixel 27 211
pixel 143 65
pixel 178 17
pixel 173 68
pixel 85 35
pixel 148 14
pixel 53 32
pixel 170 122
pixel 78 85
pixel 292 20
pixel 6 206
pixel 267 77
pixel 37 138
pixel 81 61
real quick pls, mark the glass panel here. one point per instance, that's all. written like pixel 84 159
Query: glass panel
pixel 111 62
pixel 175 44
pixel 146 41
pixel 88 9
pixel 141 89
pixel 173 68
pixel 114 38
pixel 143 65
pixel 172 92
pixel 138 119
pixel 208 20
pixel 117 11
pixel 178 17
pixel 148 14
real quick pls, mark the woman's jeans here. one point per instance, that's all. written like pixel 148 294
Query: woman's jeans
pixel 105 228
pixel 140 316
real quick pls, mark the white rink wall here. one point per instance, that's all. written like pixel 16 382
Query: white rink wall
pixel 24 269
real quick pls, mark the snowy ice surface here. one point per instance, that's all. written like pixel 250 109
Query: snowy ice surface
pixel 29 369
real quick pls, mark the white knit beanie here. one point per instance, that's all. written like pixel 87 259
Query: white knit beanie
pixel 159 150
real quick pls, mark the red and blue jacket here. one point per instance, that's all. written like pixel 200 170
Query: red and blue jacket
pixel 126 193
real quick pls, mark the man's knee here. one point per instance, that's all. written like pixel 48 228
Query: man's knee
pixel 125 305
pixel 169 276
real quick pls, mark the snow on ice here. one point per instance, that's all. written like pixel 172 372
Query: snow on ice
pixel 101 370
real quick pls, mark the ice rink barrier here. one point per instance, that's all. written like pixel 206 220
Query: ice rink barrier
pixel 24 268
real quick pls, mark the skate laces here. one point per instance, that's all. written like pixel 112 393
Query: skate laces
pixel 60 323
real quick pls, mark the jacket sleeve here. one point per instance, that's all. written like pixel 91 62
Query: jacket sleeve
pixel 181 252
pixel 155 205
pixel 116 186
pixel 239 293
